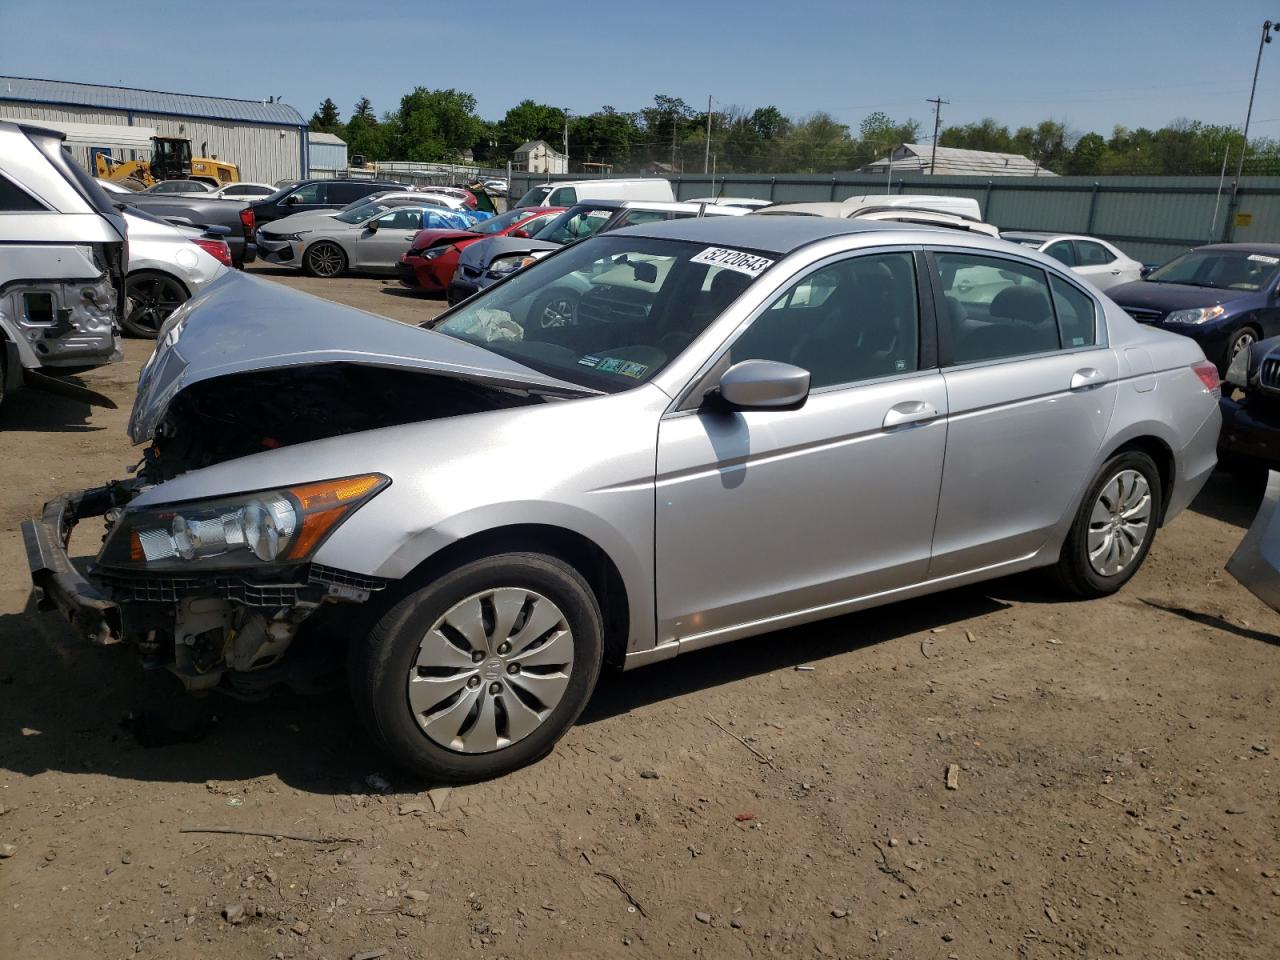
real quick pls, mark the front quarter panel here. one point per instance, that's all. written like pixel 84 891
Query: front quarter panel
pixel 585 465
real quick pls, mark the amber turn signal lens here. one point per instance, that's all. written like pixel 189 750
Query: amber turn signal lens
pixel 324 504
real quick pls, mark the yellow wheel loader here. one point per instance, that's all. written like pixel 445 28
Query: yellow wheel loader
pixel 170 160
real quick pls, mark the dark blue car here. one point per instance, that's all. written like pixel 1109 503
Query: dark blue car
pixel 1223 296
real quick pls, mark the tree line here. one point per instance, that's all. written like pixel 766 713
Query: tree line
pixel 443 126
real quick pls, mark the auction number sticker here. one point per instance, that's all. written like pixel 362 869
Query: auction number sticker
pixel 737 260
pixel 1261 258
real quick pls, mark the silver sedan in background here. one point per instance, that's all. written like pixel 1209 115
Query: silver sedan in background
pixel 371 236
pixel 751 423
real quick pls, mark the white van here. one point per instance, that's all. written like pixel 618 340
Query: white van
pixel 853 206
pixel 574 191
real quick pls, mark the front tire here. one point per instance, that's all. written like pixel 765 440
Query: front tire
pixel 324 259
pixel 1114 527
pixel 1243 339
pixel 481 671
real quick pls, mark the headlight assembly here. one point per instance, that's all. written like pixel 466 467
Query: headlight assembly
pixel 294 237
pixel 245 530
pixel 1196 315
pixel 432 252
pixel 508 265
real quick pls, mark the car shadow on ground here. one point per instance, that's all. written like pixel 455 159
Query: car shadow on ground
pixel 37 411
pixel 67 705
pixel 1218 623
pixel 410 293
pixel 1231 498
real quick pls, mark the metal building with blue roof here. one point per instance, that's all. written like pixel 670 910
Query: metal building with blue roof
pixel 266 139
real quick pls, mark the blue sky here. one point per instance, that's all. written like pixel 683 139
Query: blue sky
pixel 1088 63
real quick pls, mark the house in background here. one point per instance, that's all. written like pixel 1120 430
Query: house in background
pixel 955 162
pixel 537 156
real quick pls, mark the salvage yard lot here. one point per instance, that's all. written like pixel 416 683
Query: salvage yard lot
pixel 1116 777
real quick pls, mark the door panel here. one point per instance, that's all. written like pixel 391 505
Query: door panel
pixel 1020 445
pixel 761 513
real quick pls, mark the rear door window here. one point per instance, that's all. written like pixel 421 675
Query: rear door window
pixel 995 308
pixel 344 193
pixel 1092 254
pixel 1077 316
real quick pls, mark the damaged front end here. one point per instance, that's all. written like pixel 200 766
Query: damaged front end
pixel 1256 561
pixel 214 590
pixel 208 564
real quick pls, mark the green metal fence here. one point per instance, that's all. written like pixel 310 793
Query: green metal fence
pixel 1150 218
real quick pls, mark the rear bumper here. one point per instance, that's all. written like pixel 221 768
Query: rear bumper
pixel 1250 430
pixel 1194 462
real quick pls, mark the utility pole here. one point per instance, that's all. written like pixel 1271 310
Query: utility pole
pixel 675 119
pixel 706 156
pixel 937 121
pixel 1244 147
pixel 566 141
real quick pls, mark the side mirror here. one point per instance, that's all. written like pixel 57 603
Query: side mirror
pixel 292 200
pixel 522 234
pixel 762 385
pixel 372 226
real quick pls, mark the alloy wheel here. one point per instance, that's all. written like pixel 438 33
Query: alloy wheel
pixel 325 259
pixel 491 670
pixel 1119 522
pixel 150 301
pixel 1243 341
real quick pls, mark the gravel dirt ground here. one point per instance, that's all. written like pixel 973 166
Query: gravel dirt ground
pixel 1114 766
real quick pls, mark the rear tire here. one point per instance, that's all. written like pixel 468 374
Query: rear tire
pixel 437 691
pixel 150 298
pixel 1107 544
pixel 324 259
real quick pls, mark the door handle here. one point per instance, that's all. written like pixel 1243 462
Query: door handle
pixel 1115 273
pixel 911 411
pixel 1088 377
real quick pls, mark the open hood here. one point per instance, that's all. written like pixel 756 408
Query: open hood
pixel 242 324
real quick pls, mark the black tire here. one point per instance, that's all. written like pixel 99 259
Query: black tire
pixel 1074 572
pixel 1243 338
pixel 558 307
pixel 150 298
pixel 324 259
pixel 380 663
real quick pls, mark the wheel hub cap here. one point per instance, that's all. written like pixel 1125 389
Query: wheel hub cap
pixel 491 670
pixel 1119 522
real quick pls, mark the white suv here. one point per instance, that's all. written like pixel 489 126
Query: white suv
pixel 62 258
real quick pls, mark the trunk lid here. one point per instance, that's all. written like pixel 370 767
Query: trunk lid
pixel 244 324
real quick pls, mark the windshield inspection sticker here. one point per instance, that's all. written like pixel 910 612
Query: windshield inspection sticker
pixel 1264 259
pixel 737 260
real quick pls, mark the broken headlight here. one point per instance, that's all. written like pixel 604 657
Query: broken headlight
pixel 250 529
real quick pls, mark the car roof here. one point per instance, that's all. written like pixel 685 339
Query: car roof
pixel 779 234
pixel 1270 249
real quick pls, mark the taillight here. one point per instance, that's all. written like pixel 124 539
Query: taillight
pixel 1208 374
pixel 246 218
pixel 217 249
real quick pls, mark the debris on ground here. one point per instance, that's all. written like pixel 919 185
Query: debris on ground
pixel 953 776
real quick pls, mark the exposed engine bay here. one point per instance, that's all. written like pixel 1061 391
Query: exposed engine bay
pixel 230 417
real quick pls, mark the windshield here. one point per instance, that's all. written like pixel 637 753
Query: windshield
pixel 500 223
pixel 1220 269
pixel 575 224
pixel 633 305
pixel 535 196
pixel 363 212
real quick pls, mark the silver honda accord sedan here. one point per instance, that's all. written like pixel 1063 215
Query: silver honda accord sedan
pixel 751 423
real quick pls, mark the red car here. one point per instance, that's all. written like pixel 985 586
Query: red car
pixel 433 254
